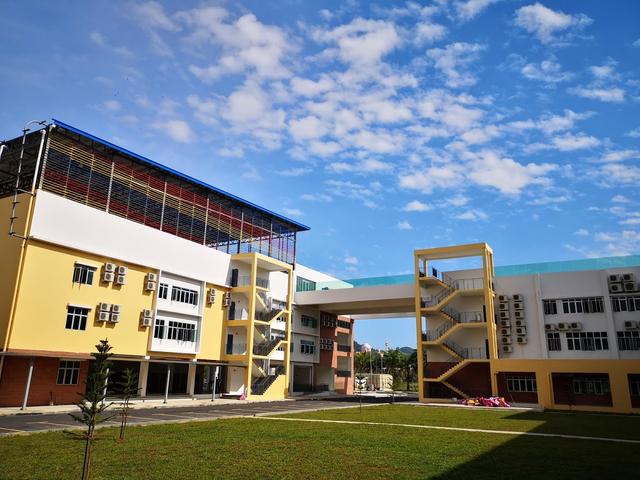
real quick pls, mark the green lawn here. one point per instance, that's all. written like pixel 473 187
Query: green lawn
pixel 265 449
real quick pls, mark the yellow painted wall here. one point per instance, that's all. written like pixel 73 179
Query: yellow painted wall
pixel 277 390
pixel 211 341
pixel 616 369
pixel 46 290
pixel 10 248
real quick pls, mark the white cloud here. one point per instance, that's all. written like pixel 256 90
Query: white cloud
pixel 581 232
pixel 617 173
pixel 404 225
pixel 625 242
pixel 450 110
pixel 306 128
pixel 231 152
pixel 310 88
pixel 153 15
pixel 603 71
pixel 635 133
pixel 361 42
pixel 294 212
pixel 569 142
pixel 547 71
pixel 294 172
pixel 507 175
pixel 351 260
pixel 427 32
pixel 619 155
pixel 417 206
pixel 324 149
pixel 473 215
pixel 316 197
pixel 477 136
pixel 452 61
pixel 457 200
pixel 247 45
pixel 469 9
pixel 552 123
pixel 636 43
pixel 545 24
pixel 369 165
pixel 177 130
pixel 433 177
pixel 98 38
pixel 620 199
pixel 112 105
pixel 611 95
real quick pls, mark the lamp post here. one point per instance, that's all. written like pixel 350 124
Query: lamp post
pixel 367 348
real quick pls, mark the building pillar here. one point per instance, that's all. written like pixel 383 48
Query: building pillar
pixel 166 385
pixel 620 394
pixel 191 379
pixel 142 378
pixel 28 385
pixel 544 383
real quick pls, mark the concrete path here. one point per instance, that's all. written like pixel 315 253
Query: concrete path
pixel 31 422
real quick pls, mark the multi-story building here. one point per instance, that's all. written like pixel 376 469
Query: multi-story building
pixel 565 335
pixel 192 286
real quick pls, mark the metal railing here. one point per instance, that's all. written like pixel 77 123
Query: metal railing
pixel 263 383
pixel 237 349
pixel 263 349
pixel 343 373
pixel 344 348
pixel 438 332
pixel 466 352
pixel 246 280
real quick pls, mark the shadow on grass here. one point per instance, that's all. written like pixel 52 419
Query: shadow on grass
pixel 538 457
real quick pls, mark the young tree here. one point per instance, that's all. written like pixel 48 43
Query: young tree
pixel 92 406
pixel 129 387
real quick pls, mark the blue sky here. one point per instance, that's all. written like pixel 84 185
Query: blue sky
pixel 383 126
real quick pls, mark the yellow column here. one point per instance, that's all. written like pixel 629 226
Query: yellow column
pixel 487 270
pixel 419 327
pixel 620 394
pixel 287 351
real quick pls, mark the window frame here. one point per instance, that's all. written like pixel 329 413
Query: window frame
pixel 550 306
pixel 587 341
pixel 521 384
pixel 83 274
pixel 163 291
pixel 77 320
pixel 70 370
pixel 554 343
pixel 185 295
pixel 307 347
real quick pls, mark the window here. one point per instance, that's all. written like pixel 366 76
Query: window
pixel 343 324
pixel 307 321
pixel 629 340
pixel 550 307
pixel 181 331
pixel 587 341
pixel 583 305
pixel 553 341
pixel 327 320
pixel 326 344
pixel 158 329
pixel 307 347
pixel 634 387
pixel 83 274
pixel 626 303
pixel 591 386
pixel 163 291
pixel 304 285
pixel 68 372
pixel 76 318
pixel 184 295
pixel 521 384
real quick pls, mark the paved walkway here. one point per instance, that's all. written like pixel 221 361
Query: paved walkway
pixel 177 413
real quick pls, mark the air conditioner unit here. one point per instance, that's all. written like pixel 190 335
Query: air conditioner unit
pixel 628 277
pixel 146 313
pixel 108 277
pixel 507 349
pixel 549 327
pixel 518 297
pixel 521 340
pixel 122 270
pixel 212 296
pixel 506 340
pixel 505 331
pixel 520 323
pixel 504 315
pixel 615 288
pixel 521 330
pixel 504 305
pixel 614 278
pixel 114 318
pixel 630 325
pixel 629 287
pixel 518 305
pixel 519 314
pixel 575 326
pixel 104 307
pixel 110 267
pixel 121 280
pixel 226 299
pixel 150 286
pixel 103 316
pixel 115 308
pixel 152 277
pixel 146 322
pixel 505 323
pixel 563 326
pixel 503 298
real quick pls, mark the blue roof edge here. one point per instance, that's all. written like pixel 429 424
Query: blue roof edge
pixel 71 128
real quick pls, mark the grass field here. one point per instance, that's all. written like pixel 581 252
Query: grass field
pixel 273 449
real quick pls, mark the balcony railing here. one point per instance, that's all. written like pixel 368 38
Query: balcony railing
pixel 343 373
pixel 237 349
pixel 344 348
pixel 246 280
pixel 343 324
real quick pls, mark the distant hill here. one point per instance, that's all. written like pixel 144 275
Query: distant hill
pixel 406 350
